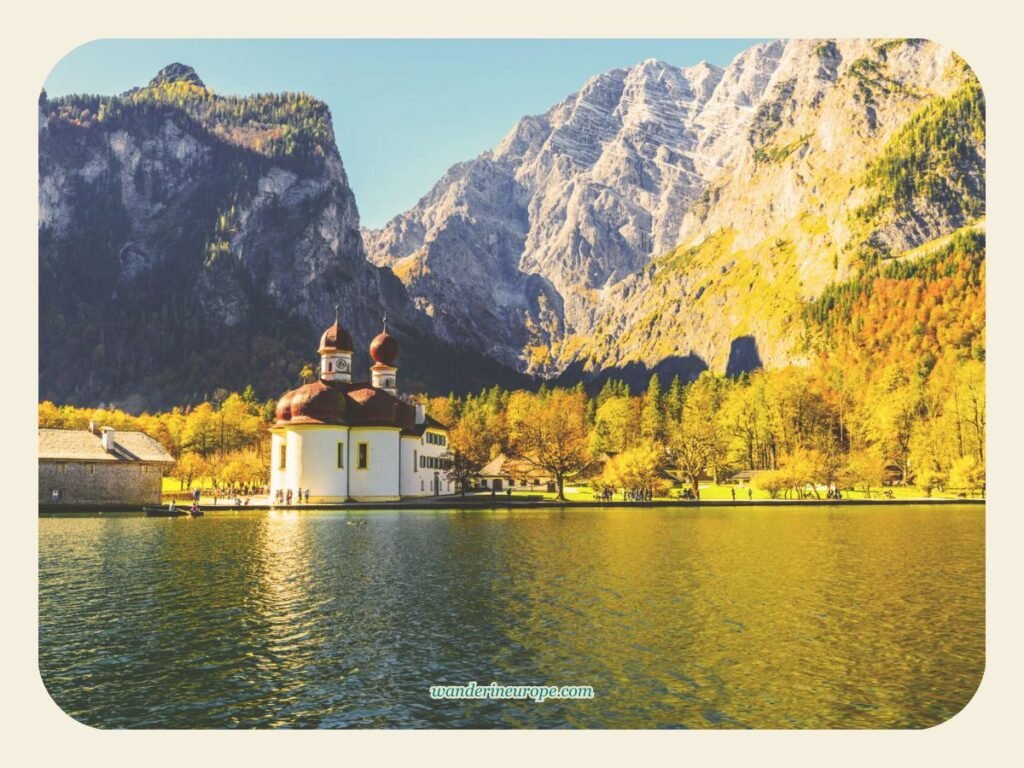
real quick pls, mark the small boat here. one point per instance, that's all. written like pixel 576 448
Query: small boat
pixel 164 511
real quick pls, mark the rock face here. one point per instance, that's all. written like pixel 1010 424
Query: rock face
pixel 665 218
pixel 557 251
pixel 190 242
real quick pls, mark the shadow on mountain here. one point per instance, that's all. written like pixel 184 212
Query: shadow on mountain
pixel 636 375
pixel 743 356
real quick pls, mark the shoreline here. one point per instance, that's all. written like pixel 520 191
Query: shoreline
pixel 447 502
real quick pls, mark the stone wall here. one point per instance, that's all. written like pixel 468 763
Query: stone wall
pixel 99 482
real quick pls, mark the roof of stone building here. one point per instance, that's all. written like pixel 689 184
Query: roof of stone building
pixel 505 466
pixel 83 445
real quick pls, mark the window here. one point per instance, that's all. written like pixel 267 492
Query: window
pixel 415 466
pixel 364 456
pixel 90 468
pixel 281 457
pixel 330 367
pixel 62 467
pixel 341 455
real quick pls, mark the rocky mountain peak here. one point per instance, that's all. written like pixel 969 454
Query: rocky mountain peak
pixel 176 73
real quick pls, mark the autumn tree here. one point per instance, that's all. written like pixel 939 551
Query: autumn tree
pixel 550 433
pixel 638 468
pixel 469 444
pixel 188 468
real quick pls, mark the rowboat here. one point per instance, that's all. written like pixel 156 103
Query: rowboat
pixel 171 512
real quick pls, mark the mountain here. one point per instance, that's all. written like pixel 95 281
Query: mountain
pixel 190 241
pixel 661 218
pixel 678 219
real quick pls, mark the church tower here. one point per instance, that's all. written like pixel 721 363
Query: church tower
pixel 336 353
pixel 384 351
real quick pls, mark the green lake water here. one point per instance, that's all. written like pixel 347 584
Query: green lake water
pixel 784 617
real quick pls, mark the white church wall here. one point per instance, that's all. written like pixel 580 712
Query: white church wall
pixel 379 481
pixel 293 461
pixel 320 473
pixel 277 475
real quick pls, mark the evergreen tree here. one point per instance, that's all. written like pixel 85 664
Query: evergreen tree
pixel 652 414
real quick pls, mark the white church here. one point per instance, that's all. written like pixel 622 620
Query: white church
pixel 355 441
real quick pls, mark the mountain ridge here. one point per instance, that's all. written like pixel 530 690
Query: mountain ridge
pixel 557 257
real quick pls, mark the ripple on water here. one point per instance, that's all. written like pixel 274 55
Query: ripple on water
pixel 867 617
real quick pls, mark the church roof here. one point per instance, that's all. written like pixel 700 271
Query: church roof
pixel 336 338
pixel 356 404
pixel 83 445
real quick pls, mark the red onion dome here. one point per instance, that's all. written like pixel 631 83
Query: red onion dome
pixel 384 348
pixel 317 403
pixel 284 407
pixel 336 338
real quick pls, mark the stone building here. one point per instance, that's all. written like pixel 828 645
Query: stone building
pixel 100 466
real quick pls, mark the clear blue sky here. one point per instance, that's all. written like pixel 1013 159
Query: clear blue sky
pixel 404 110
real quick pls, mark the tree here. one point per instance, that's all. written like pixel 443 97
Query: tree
pixel 865 469
pixel 774 481
pixel 652 412
pixel 969 474
pixel 636 469
pixel 615 424
pixel 469 446
pixel 551 434
pixel 202 429
pixel 188 468
pixel 688 450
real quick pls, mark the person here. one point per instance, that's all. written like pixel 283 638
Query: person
pixel 750 494
pixel 508 492
pixel 733 491
pixel 300 494
pixel 195 495
pixel 288 497
pixel 307 495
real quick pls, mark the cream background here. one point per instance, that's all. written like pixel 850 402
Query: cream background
pixel 983 32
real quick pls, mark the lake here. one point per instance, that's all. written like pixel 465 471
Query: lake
pixel 767 617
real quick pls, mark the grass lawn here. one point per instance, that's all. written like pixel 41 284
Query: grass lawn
pixel 713 492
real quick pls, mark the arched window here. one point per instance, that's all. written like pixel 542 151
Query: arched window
pixel 330 367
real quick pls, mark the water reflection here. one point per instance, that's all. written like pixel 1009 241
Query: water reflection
pixel 695 618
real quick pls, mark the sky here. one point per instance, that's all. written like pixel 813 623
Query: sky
pixel 404 111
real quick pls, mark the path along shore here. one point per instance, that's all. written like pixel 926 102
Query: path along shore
pixel 504 502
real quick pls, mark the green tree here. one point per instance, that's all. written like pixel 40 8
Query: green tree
pixel 652 412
